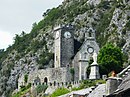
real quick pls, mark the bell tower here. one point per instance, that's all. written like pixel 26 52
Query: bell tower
pixel 64 45
pixel 90 34
pixel 88 47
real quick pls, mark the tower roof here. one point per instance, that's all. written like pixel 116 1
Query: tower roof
pixel 62 26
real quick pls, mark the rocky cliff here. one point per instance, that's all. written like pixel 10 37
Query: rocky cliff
pixel 109 18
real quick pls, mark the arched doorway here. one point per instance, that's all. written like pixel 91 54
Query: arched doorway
pixel 54 83
pixel 46 80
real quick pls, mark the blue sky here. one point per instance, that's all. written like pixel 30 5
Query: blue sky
pixel 19 15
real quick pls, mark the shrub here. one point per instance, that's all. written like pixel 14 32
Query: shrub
pixel 87 83
pixel 24 90
pixel 110 57
pixel 76 88
pixel 60 91
pixel 25 78
pixel 41 88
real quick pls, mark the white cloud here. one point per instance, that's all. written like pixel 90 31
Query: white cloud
pixel 6 39
pixel 19 15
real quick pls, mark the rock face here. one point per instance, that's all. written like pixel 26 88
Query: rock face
pixel 110 19
pixel 93 2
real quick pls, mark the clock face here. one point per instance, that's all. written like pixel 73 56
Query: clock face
pixel 67 34
pixel 90 50
pixel 57 34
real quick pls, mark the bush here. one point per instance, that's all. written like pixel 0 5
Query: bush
pixel 103 24
pixel 76 88
pixel 24 90
pixel 110 57
pixel 60 91
pixel 44 59
pixel 25 78
pixel 87 83
pixel 41 88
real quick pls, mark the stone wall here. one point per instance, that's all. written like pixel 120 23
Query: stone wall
pixel 57 47
pixel 51 75
pixel 75 64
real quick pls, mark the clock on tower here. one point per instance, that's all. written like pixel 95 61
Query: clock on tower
pixel 67 34
pixel 64 45
pixel 90 50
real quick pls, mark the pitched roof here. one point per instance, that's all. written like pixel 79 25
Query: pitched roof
pixel 99 91
pixel 83 91
pixel 124 86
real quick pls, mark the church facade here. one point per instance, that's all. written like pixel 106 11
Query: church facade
pixel 65 59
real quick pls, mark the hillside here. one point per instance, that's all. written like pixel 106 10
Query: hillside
pixel 110 19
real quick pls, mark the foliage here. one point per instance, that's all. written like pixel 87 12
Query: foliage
pixel 104 4
pixel 41 88
pixel 76 88
pixel 35 45
pixel 103 24
pixel 110 57
pixel 60 91
pixel 26 43
pixel 105 20
pixel 20 45
pixel 23 42
pixel 128 25
pixel 89 83
pixel 25 78
pixel 24 89
pixel 1 53
pixel 100 81
pixel 75 9
pixel 121 42
pixel 72 73
pixel 44 59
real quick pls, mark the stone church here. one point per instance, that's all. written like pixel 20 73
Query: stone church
pixel 67 56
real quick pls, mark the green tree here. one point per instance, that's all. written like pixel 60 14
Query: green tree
pixel 25 78
pixel 110 58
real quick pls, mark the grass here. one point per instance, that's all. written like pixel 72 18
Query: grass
pixel 76 88
pixel 83 85
pixel 60 91
pixel 23 90
pixel 20 93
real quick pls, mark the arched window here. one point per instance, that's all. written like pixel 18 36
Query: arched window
pixel 45 80
pixel 85 55
pixel 54 83
pixel 90 34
